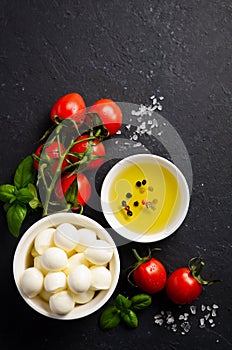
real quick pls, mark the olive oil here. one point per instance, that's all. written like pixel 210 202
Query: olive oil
pixel 145 197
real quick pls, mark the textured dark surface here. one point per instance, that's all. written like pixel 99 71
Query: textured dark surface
pixel 125 50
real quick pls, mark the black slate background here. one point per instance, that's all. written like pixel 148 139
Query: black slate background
pixel 124 50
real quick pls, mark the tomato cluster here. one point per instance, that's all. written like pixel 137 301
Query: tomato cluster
pixel 102 119
pixel 182 286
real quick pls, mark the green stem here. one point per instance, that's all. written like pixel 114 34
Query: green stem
pixel 137 256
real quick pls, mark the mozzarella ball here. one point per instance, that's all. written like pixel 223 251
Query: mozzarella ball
pixel 74 261
pixel 32 282
pixel 100 253
pixel 44 240
pixel 61 303
pixel 79 279
pixel 45 295
pixel 101 278
pixel 66 236
pixel 83 298
pixel 38 265
pixel 54 259
pixel 55 282
pixel 87 239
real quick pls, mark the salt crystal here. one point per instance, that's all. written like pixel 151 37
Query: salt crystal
pixel 170 320
pixel 202 323
pixel 159 107
pixel 149 132
pixel 116 142
pixel 203 307
pixel 181 317
pixel 149 122
pixel 154 101
pixel 159 321
pixel 160 133
pixel 118 132
pixel 193 309
pixel 139 119
pixel 182 333
pixel 152 97
pixel 186 326
pixel 157 316
pixel 215 306
pixel 207 316
pixel 213 313
pixel 161 98
pixel 128 127
pixel 143 125
pixel 210 320
pixel 174 327
pixel 212 325
pixel 135 137
pixel 209 308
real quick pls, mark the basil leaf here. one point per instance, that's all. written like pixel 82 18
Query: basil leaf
pixel 140 301
pixel 34 203
pixel 130 318
pixel 15 216
pixel 122 302
pixel 25 173
pixel 7 193
pixel 24 195
pixel 110 318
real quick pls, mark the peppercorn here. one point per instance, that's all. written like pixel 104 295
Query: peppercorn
pixel 129 213
pixel 138 183
pixel 144 182
pixel 128 195
pixel 136 203
pixel 123 203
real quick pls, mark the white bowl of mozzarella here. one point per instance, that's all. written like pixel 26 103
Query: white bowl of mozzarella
pixel 66 266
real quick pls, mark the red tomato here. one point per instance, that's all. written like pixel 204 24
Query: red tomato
pixel 110 114
pixel 97 149
pixel 150 276
pixel 84 188
pixel 52 152
pixel 69 106
pixel 182 287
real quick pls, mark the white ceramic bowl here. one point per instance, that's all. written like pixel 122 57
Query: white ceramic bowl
pixel 21 262
pixel 123 230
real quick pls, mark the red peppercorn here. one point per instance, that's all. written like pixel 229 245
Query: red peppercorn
pixel 127 208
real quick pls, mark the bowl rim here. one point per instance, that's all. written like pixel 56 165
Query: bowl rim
pixel 116 225
pixel 103 295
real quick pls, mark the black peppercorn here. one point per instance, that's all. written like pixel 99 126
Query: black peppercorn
pixel 138 183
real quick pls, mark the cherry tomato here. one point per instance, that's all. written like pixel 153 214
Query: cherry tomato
pixel 69 106
pixel 97 149
pixel 182 287
pixel 149 274
pixel 52 151
pixel 110 114
pixel 84 187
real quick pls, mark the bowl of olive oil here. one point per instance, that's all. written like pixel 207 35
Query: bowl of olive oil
pixel 145 198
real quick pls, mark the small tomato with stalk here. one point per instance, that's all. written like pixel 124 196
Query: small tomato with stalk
pixel 149 274
pixel 90 148
pixel 52 152
pixel 80 187
pixel 69 106
pixel 185 284
pixel 110 114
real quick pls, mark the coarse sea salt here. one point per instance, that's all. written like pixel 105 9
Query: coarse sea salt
pixel 144 114
pixel 183 323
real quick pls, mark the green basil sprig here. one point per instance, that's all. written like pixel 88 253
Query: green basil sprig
pixel 21 196
pixel 124 309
